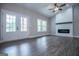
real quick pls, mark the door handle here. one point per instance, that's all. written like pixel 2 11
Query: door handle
pixel 17 28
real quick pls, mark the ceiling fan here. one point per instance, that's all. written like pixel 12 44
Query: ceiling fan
pixel 56 7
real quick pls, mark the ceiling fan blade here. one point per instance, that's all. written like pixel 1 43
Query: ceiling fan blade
pixel 50 9
pixel 60 9
pixel 62 5
pixel 53 11
pixel 55 4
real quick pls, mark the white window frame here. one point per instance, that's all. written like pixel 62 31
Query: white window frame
pixel 44 26
pixel 24 24
pixel 41 25
pixel 10 23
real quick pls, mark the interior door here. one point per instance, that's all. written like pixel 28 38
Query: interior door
pixel 9 25
pixel 14 25
pixel 23 26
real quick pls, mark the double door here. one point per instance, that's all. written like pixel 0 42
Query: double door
pixel 14 26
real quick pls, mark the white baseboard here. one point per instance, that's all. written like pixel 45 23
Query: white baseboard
pixel 66 36
pixel 29 37
pixel 37 36
pixel 76 36
pixel 62 35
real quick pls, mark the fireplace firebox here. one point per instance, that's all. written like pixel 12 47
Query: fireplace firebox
pixel 63 31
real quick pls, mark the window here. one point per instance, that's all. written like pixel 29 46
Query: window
pixel 44 26
pixel 10 23
pixel 41 25
pixel 23 24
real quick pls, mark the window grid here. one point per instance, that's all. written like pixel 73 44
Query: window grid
pixel 44 26
pixel 10 23
pixel 23 24
pixel 41 25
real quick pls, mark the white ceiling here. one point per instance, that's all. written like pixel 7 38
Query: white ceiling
pixel 41 8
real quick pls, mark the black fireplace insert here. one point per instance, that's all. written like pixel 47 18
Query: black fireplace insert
pixel 63 31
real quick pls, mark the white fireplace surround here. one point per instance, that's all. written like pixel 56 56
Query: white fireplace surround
pixel 62 18
pixel 64 26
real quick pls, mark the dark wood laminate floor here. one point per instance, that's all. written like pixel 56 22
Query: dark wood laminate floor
pixel 43 46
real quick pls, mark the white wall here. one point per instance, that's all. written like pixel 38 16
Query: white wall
pixel 53 25
pixel 32 31
pixel 64 16
pixel 0 24
pixel 76 20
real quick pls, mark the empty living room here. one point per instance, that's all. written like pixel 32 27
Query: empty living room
pixel 39 29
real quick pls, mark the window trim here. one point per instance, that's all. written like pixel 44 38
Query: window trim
pixel 22 24
pixel 41 26
pixel 12 27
